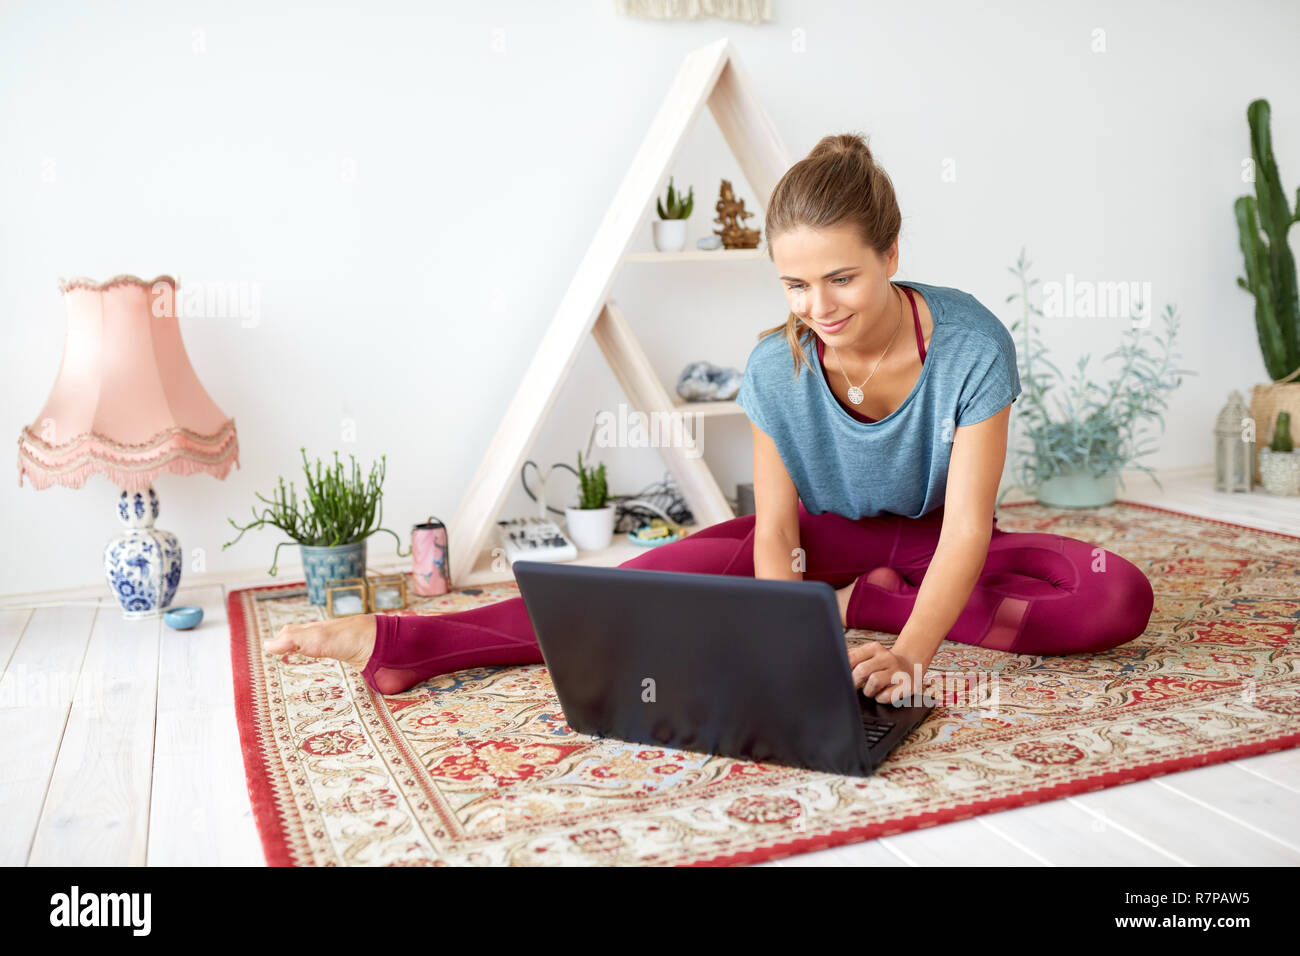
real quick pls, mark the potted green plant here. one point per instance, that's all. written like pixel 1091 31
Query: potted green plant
pixel 1074 457
pixel 670 227
pixel 1263 222
pixel 591 523
pixel 331 526
pixel 1279 462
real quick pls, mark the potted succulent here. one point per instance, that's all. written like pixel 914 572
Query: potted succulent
pixel 1263 222
pixel 591 523
pixel 670 227
pixel 333 524
pixel 1279 462
pixel 1074 459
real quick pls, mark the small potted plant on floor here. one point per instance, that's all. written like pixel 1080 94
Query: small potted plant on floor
pixel 1279 462
pixel 332 525
pixel 591 523
pixel 1074 457
pixel 670 227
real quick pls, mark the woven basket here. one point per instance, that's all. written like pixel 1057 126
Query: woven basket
pixel 1265 402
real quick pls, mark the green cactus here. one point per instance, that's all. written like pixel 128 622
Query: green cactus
pixel 1270 267
pixel 595 493
pixel 1282 433
pixel 678 207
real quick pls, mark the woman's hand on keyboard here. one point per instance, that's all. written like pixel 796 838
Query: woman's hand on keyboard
pixel 882 674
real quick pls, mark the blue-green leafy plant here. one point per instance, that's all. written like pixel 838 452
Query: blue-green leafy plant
pixel 679 207
pixel 1270 267
pixel 1093 428
pixel 337 510
pixel 595 492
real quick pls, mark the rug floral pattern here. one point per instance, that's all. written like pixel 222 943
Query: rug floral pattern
pixel 478 767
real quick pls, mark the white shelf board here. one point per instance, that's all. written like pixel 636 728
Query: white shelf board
pixel 621 550
pixel 698 255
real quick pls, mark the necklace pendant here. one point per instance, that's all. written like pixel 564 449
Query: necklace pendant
pixel 855 395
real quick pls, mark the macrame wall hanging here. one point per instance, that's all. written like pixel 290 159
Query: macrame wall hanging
pixel 750 11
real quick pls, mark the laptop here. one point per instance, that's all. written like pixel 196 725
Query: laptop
pixel 720 664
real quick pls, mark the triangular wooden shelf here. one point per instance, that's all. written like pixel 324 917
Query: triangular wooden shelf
pixel 711 75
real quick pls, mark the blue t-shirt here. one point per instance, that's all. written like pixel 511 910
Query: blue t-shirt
pixel 898 464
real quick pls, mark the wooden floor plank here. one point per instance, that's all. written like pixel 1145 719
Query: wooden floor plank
pixel 1185 828
pixel 962 843
pixel 97 810
pixel 1248 800
pixel 13 621
pixel 1066 834
pixel 39 685
pixel 202 815
pixel 1282 767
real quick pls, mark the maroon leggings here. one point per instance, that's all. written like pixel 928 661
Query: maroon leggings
pixel 1037 594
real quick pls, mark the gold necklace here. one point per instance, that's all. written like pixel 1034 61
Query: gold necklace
pixel 855 391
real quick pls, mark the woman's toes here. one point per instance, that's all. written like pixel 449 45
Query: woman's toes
pixel 305 637
pixel 283 640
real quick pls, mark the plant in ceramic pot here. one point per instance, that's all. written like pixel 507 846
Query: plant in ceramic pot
pixel 1076 451
pixel 1279 462
pixel 332 525
pixel 591 523
pixel 670 227
pixel 1263 222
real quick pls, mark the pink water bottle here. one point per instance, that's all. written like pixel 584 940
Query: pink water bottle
pixel 431 559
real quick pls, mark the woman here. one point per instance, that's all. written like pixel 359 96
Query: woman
pixel 877 472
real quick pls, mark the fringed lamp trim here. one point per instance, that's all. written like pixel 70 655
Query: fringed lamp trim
pixel 81 282
pixel 180 452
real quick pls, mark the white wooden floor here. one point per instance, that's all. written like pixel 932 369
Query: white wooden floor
pixel 118 746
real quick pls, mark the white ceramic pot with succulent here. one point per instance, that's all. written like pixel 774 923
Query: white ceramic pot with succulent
pixel 591 524
pixel 670 227
pixel 1279 462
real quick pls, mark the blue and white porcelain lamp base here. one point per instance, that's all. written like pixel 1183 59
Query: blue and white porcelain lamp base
pixel 143 564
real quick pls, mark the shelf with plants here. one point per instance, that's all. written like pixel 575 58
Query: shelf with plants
pixel 710 76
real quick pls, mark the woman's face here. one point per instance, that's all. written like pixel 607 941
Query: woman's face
pixel 837 285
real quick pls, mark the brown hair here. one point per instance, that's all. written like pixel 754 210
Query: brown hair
pixel 838 182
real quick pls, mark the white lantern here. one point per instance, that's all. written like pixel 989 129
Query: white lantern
pixel 1234 447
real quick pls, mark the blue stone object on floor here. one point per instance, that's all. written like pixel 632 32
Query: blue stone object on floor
pixel 183 618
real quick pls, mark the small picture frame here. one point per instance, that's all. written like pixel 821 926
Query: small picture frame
pixel 387 592
pixel 346 596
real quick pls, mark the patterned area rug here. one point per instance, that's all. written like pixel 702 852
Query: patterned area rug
pixel 478 767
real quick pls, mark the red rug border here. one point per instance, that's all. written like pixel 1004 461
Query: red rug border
pixel 270 822
pixel 266 812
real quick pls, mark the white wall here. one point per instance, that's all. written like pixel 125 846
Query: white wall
pixel 212 141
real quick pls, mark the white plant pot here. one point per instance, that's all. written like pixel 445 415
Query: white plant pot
pixel 1279 471
pixel 590 529
pixel 670 234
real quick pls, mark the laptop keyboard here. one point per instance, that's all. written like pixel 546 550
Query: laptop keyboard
pixel 874 728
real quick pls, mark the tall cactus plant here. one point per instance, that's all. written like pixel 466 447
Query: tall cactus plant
pixel 1270 267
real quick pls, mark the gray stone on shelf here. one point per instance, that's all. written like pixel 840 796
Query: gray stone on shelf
pixel 706 382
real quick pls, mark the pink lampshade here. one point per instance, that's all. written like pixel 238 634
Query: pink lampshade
pixel 126 402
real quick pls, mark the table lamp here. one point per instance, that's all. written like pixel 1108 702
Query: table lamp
pixel 126 404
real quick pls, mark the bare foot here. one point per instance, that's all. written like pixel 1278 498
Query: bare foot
pixel 350 639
